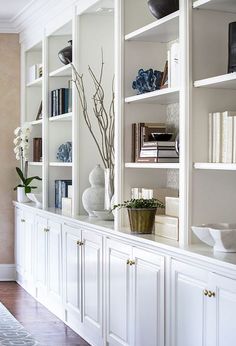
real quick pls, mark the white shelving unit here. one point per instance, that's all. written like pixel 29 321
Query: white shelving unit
pixel 60 164
pixel 215 166
pixel 36 83
pixel 162 97
pixel 37 164
pixel 216 5
pixel 152 165
pixel 64 71
pixel 226 81
pixel 62 117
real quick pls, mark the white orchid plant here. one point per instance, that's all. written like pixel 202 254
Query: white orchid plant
pixel 21 150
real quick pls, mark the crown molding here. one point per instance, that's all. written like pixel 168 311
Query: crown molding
pixel 7 27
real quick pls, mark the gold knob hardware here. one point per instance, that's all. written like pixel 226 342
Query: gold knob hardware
pixel 80 243
pixel 130 262
pixel 211 294
pixel 205 292
pixel 46 230
pixel 22 220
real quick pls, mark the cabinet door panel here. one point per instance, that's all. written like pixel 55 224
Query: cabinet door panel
pixel 92 283
pixel 72 269
pixel 41 251
pixel 221 329
pixel 148 299
pixel 54 259
pixel 118 293
pixel 188 305
pixel 19 246
pixel 29 245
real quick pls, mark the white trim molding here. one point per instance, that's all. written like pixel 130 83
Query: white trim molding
pixel 7 272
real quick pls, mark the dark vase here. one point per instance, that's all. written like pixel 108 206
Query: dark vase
pixel 232 48
pixel 161 8
pixel 65 55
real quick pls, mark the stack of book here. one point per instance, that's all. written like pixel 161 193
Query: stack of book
pixel 37 149
pixel 59 101
pixel 222 137
pixel 152 143
pixel 34 72
pixel 61 190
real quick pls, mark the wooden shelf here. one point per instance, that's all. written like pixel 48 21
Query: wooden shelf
pixel 164 97
pixel 62 117
pixel 60 164
pixel 35 83
pixel 226 81
pixel 152 165
pixel 35 163
pixel 216 5
pixel 163 30
pixel 64 71
pixel 36 122
pixel 215 166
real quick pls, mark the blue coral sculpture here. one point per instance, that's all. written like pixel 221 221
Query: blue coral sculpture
pixel 64 152
pixel 147 81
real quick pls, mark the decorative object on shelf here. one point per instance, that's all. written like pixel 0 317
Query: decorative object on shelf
pixel 34 72
pixel 221 236
pixel 66 205
pixel 105 215
pixel 21 150
pixel 165 81
pixel 232 48
pixel 65 55
pixel 36 198
pixel 105 117
pixel 40 112
pixel 167 227
pixel 69 96
pixel 93 197
pixel 161 8
pixel 61 190
pixel 64 152
pixel 59 101
pixel 37 150
pixel 147 81
pixel 141 213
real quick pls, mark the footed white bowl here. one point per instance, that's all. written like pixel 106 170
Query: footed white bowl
pixel 104 215
pixel 221 236
pixel 36 198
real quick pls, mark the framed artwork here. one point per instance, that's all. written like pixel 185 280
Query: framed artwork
pixel 40 112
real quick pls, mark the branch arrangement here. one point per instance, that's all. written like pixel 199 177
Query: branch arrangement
pixel 105 116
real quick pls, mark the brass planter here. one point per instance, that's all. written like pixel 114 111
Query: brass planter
pixel 142 220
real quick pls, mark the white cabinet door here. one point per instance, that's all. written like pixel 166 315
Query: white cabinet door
pixel 54 240
pixel 92 285
pixel 118 293
pixel 148 298
pixel 188 305
pixel 29 246
pixel 221 326
pixel 72 271
pixel 41 255
pixel 19 239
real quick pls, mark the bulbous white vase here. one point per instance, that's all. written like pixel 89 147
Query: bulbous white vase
pixel 93 197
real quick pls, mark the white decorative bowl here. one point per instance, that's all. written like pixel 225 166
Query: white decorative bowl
pixel 221 236
pixel 104 215
pixel 36 198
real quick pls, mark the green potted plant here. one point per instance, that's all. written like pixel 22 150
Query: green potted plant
pixel 141 213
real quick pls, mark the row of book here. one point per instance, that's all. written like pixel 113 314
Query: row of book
pixel 61 101
pixel 34 72
pixel 152 143
pixel 222 137
pixel 63 189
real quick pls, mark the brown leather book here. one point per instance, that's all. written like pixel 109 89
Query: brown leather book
pixel 37 149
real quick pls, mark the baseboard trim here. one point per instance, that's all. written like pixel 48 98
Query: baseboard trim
pixel 7 272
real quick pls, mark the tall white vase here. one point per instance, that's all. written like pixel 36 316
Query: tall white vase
pixel 93 197
pixel 21 196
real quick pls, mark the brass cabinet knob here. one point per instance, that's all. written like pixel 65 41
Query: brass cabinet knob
pixel 22 220
pixel 46 229
pixel 211 294
pixel 80 243
pixel 130 262
pixel 205 292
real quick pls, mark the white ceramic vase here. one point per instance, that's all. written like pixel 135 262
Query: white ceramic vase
pixel 21 196
pixel 93 197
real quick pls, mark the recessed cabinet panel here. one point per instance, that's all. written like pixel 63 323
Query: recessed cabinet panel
pixel 72 263
pixel 20 244
pixel 148 299
pixel 119 293
pixel 92 282
pixel 188 305
pixel 29 244
pixel 41 252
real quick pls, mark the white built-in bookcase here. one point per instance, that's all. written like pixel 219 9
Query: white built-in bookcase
pixel 207 191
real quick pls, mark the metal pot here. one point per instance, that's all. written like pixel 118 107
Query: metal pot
pixel 161 8
pixel 65 55
pixel 142 220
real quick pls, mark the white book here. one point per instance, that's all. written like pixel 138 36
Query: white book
pixel 147 193
pixel 174 65
pixel 169 75
pixel 217 137
pixel 210 137
pixel 234 139
pixel 227 136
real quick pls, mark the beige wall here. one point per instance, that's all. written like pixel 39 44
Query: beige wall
pixel 9 120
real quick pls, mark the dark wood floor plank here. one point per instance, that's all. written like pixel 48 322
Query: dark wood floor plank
pixel 40 322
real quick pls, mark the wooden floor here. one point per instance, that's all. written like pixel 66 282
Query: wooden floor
pixel 43 325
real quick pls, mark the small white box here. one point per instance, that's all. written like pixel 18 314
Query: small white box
pixel 167 227
pixel 69 191
pixel 172 206
pixel 66 205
